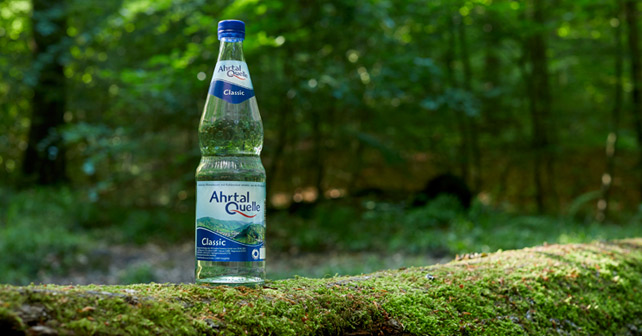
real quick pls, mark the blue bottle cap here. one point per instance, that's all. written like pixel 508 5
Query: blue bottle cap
pixel 231 28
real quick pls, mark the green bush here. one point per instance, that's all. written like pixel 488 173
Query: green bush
pixel 441 226
pixel 39 235
pixel 141 226
pixel 137 274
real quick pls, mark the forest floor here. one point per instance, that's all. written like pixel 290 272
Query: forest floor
pixel 123 264
pixel 51 239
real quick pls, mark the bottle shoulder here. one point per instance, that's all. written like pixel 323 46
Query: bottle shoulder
pixel 231 168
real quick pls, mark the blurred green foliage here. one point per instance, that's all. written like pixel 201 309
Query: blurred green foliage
pixel 40 235
pixel 139 274
pixel 441 227
pixel 44 233
pixel 354 95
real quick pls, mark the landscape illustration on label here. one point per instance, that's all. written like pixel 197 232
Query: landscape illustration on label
pixel 241 232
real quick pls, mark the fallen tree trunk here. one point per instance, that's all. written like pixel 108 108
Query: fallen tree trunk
pixel 556 289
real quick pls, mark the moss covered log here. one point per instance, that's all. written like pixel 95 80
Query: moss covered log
pixel 556 289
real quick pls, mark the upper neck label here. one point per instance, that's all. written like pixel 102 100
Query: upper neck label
pixel 231 82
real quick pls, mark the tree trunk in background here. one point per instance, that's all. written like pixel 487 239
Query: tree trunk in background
pixel 611 139
pixel 282 139
pixel 44 159
pixel 491 102
pixel 631 10
pixel 540 106
pixel 285 119
pixel 319 159
pixel 470 121
pixel 460 116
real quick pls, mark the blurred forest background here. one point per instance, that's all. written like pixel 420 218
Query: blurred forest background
pixel 533 107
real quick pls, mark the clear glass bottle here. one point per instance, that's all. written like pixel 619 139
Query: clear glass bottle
pixel 230 197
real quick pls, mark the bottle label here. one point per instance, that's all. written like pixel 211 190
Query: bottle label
pixel 231 82
pixel 230 221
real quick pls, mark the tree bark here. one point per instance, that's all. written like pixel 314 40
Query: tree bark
pixel 44 159
pixel 631 11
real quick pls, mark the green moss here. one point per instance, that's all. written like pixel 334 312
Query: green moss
pixel 568 289
pixel 10 322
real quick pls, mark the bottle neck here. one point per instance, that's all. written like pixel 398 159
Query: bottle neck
pixel 231 49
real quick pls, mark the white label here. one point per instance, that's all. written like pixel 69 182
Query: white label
pixel 233 72
pixel 230 221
